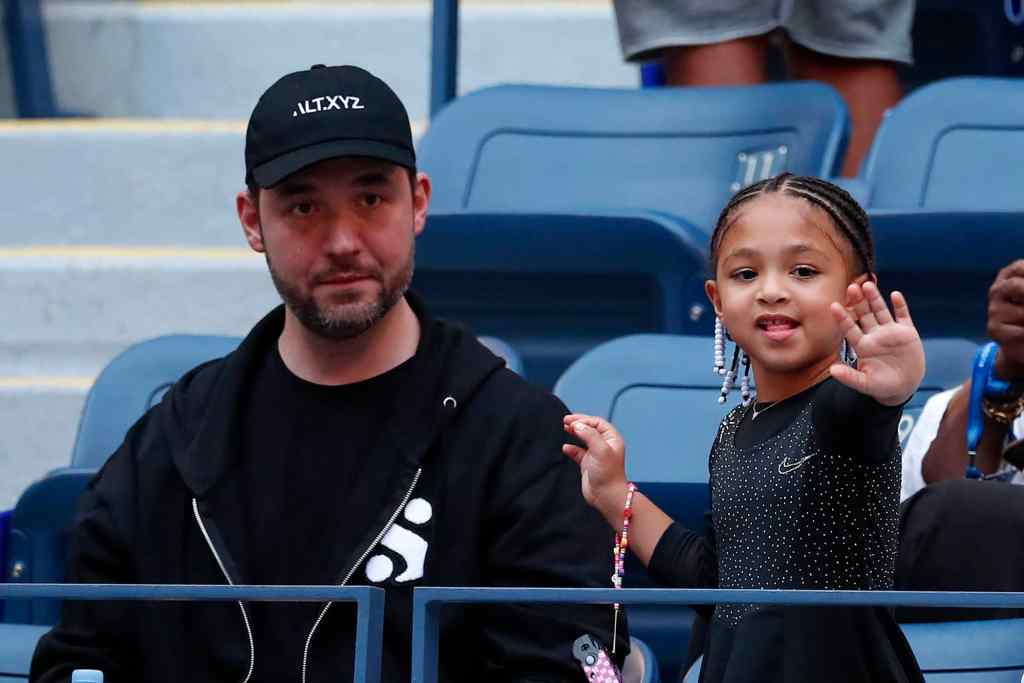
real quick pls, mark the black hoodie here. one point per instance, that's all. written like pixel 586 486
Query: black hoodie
pixel 475 440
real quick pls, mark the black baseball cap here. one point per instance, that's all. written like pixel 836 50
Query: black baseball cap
pixel 322 113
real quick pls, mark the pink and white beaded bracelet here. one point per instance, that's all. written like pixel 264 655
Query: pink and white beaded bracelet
pixel 619 555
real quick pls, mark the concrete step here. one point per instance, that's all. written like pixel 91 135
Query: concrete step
pixel 127 182
pixel 37 429
pixel 72 309
pixel 212 60
pixel 98 295
pixel 121 182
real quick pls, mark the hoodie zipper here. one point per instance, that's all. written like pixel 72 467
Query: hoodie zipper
pixel 362 558
pixel 245 617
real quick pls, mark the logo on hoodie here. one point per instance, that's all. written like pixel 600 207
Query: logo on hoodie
pixel 408 545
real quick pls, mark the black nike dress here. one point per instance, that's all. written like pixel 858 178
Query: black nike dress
pixel 806 496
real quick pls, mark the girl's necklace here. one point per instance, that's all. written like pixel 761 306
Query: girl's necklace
pixel 757 412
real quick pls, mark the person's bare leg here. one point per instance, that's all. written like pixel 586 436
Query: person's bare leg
pixel 734 62
pixel 868 86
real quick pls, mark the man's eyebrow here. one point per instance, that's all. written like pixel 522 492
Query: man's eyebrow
pixel 290 188
pixel 371 179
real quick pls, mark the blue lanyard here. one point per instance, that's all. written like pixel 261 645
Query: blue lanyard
pixel 980 379
pixel 983 362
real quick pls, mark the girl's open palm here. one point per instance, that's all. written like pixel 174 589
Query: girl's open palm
pixel 602 460
pixel 890 358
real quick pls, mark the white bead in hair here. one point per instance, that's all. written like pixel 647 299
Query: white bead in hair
pixel 719 347
pixel 730 375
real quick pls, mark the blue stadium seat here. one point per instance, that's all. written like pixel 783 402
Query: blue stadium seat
pixel 948 364
pixel 682 150
pixel 945 262
pixel 17 643
pixel 38 540
pixel 641 665
pixel 554 285
pixel 969 651
pixel 131 384
pixel 951 145
pixel 660 392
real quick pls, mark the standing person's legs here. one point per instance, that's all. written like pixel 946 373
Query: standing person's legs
pixel 868 86
pixel 733 62
pixel 853 45
pixel 700 42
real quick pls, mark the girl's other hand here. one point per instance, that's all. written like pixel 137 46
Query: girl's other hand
pixel 602 460
pixel 890 357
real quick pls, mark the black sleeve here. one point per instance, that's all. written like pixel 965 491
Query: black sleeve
pixel 94 634
pixel 686 559
pixel 854 423
pixel 543 533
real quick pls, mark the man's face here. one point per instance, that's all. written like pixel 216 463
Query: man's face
pixel 339 238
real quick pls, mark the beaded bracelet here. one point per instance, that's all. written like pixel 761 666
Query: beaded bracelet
pixel 619 555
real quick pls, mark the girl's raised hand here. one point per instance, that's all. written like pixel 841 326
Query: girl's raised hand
pixel 602 460
pixel 890 363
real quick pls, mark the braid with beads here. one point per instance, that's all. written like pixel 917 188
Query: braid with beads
pixel 849 218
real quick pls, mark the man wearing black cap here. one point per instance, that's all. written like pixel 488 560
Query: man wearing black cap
pixel 350 439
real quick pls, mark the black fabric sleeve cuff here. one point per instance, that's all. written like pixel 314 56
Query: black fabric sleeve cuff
pixel 682 559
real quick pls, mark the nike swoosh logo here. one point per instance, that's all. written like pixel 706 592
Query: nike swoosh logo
pixel 785 467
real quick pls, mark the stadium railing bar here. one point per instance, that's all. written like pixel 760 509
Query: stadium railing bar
pixel 369 605
pixel 428 603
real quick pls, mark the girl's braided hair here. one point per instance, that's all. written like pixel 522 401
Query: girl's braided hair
pixel 849 218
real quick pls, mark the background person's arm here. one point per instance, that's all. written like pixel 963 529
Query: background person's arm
pixel 946 458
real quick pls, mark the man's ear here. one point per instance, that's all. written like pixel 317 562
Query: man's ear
pixel 420 201
pixel 711 289
pixel 249 217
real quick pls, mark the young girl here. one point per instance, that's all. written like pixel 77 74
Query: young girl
pixel 805 479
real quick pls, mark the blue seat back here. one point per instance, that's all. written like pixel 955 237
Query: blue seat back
pixel 953 144
pixel 555 285
pixel 969 650
pixel 37 541
pixel 504 350
pixel 945 262
pixel 134 382
pixel 948 364
pixel 679 150
pixel 17 643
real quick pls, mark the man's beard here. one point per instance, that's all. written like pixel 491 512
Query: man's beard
pixel 352 319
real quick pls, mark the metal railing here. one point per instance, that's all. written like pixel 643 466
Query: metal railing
pixel 369 605
pixel 428 602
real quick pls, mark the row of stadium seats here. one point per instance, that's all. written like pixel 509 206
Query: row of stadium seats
pixel 562 217
pixel 643 382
